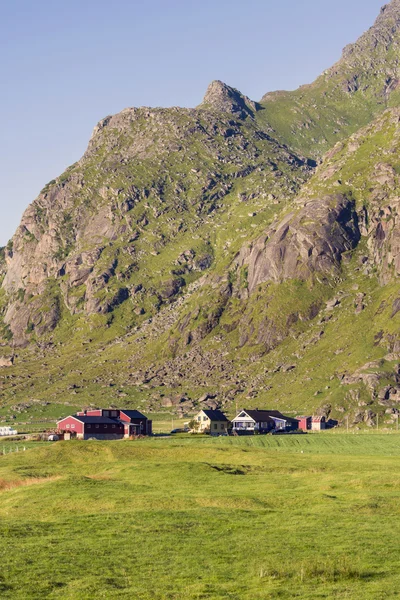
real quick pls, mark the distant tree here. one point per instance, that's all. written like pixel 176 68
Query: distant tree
pixel 194 425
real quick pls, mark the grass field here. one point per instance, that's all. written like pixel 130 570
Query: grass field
pixel 313 516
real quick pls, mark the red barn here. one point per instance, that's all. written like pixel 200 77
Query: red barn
pixel 105 424
pixel 305 423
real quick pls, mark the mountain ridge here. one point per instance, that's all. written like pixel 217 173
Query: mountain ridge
pixel 213 255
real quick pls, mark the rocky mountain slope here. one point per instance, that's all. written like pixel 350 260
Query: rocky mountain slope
pixel 346 96
pixel 202 257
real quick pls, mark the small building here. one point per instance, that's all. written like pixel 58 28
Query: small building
pixel 105 424
pixel 211 421
pixel 318 423
pixel 305 423
pixel 262 421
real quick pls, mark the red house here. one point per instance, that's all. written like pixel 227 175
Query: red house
pixel 105 424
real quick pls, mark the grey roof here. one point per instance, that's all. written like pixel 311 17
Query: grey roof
pixel 266 415
pixel 279 415
pixel 258 415
pixel 133 414
pixel 215 415
pixel 97 420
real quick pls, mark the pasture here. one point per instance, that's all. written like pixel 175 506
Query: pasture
pixel 313 516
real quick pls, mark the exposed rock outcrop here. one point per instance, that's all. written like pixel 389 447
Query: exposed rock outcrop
pixel 224 98
pixel 305 244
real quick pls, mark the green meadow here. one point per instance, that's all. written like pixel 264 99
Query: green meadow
pixel 312 516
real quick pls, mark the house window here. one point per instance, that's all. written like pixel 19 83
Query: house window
pixel 114 413
pixel 106 413
pixel 68 426
pixel 199 418
pixel 105 426
pixel 72 426
pixel 113 426
pixel 204 418
pixel 215 425
pixel 89 426
pixel 97 426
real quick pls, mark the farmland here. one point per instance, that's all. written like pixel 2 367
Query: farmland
pixel 313 516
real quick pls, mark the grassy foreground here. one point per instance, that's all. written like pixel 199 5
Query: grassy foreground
pixel 312 516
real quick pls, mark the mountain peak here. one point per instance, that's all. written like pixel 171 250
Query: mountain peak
pixel 378 39
pixel 225 98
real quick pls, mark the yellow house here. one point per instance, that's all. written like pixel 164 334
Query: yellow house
pixel 211 421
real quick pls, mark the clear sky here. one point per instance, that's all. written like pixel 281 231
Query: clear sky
pixel 65 64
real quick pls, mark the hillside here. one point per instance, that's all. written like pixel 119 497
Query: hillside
pixel 347 96
pixel 202 257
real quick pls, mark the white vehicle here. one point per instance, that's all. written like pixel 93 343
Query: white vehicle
pixel 5 431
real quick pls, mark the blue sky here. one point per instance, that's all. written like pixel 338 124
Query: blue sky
pixel 66 65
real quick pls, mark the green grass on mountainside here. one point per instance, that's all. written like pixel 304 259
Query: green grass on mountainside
pixel 313 118
pixel 313 516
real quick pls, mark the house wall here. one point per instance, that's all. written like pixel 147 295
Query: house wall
pixel 204 424
pixel 203 420
pixel 103 436
pixel 218 426
pixel 124 417
pixel 318 425
pixel 112 413
pixel 251 425
pixel 305 423
pixel 95 429
pixel 280 424
pixel 141 423
pixel 71 425
pixel 245 422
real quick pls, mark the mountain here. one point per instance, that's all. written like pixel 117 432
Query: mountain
pixel 237 252
pixel 345 97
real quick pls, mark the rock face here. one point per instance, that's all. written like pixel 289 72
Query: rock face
pixel 374 49
pixel 308 243
pixel 224 98
pixel 375 183
pixel 148 177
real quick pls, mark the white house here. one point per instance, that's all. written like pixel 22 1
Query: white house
pixel 262 421
pixel 211 421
